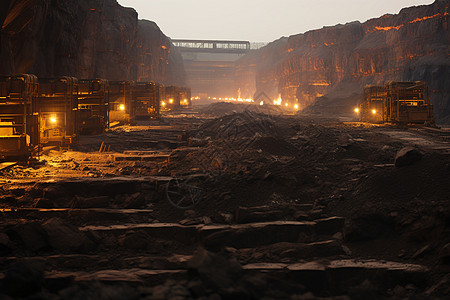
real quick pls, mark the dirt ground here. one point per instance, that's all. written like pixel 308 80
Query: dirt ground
pixel 232 202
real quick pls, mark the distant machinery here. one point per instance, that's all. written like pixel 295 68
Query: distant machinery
pixel 54 111
pixel 209 65
pixel 147 98
pixel 93 102
pixel 397 102
pixel 121 104
pixel 57 105
pixel 176 97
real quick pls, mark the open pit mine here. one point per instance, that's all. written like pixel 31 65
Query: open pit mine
pixel 134 166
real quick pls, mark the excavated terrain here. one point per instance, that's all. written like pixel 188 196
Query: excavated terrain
pixel 231 202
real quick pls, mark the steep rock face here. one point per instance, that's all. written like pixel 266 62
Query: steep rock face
pixel 85 39
pixel 256 72
pixel 157 58
pixel 339 61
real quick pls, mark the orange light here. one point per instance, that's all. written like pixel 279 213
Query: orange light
pixel 122 107
pixel 356 110
pixel 374 111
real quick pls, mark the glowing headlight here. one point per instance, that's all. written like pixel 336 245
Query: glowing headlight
pixel 374 111
pixel 122 107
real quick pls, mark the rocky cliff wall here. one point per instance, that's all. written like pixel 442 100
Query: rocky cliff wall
pixel 256 72
pixel 85 39
pixel 339 61
pixel 157 59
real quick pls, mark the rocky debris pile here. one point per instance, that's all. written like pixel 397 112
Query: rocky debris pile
pixel 334 106
pixel 226 108
pixel 245 124
pixel 54 235
pixel 407 156
pixel 270 220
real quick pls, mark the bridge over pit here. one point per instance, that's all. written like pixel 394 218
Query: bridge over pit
pixel 209 65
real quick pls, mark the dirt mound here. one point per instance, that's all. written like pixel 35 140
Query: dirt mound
pixel 238 125
pixel 223 108
pixel 226 108
pixel 333 106
pixel 275 146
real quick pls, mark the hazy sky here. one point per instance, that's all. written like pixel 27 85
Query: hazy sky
pixel 258 20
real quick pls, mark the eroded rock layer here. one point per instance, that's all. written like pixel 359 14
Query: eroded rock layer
pixel 338 61
pixel 85 39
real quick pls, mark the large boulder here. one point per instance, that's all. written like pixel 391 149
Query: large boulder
pixel 407 156
pixel 5 244
pixel 31 235
pixel 23 279
pixel 65 237
pixel 224 276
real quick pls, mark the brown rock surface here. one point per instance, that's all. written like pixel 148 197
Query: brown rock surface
pixel 338 61
pixel 85 39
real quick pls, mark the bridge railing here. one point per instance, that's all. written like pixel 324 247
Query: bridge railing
pixel 213 45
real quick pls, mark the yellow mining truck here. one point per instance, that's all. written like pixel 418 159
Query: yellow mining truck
pixel 19 121
pixel 147 99
pixel 121 104
pixel 93 106
pixel 57 107
pixel 397 102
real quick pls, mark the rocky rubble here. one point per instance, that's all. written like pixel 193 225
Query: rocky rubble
pixel 288 207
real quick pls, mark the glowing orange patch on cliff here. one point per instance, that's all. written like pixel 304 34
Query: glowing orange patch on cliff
pixel 425 18
pixel 386 28
pixel 379 28
pixel 320 84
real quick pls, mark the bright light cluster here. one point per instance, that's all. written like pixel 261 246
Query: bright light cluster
pixel 232 99
pixel 286 104
pixel 277 101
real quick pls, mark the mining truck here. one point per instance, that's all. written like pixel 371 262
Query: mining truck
pixel 93 106
pixel 121 104
pixel 176 97
pixel 147 100
pixel 397 102
pixel 57 105
pixel 19 121
pixel 185 97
